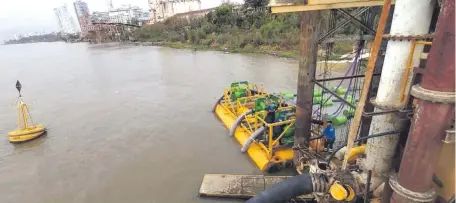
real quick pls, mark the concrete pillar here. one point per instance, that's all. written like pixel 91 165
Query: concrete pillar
pixel 411 17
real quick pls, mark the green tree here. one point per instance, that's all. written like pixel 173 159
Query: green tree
pixel 223 15
pixel 256 3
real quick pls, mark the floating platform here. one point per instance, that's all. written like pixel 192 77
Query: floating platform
pixel 27 134
pixel 241 186
pixel 255 151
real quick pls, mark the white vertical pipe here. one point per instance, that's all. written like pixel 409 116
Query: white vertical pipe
pixel 411 17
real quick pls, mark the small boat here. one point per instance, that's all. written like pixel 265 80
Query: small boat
pixel 26 130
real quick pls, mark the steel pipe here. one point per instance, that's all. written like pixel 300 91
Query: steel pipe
pixel 380 151
pixel 433 114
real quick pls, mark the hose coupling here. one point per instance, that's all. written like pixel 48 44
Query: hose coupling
pixel 320 182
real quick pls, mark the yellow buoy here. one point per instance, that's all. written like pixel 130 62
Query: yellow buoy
pixel 26 130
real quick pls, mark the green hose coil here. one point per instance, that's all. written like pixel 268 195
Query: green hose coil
pixel 349 112
pixel 339 120
pixel 341 91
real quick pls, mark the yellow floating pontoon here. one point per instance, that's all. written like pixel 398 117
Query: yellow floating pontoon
pixel 243 110
pixel 26 129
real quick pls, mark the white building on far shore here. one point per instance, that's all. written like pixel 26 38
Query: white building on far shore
pixel 126 14
pixel 65 22
pixel 160 10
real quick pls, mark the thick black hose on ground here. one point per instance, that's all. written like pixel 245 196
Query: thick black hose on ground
pixel 285 190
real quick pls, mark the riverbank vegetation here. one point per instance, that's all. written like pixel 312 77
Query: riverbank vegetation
pixel 233 28
pixel 51 37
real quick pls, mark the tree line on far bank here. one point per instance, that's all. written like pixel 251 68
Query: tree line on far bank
pixel 244 28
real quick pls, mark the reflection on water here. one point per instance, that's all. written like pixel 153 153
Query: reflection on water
pixel 126 124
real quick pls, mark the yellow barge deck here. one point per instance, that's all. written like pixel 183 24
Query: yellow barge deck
pixel 256 152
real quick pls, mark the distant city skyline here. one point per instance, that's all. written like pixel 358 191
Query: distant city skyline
pixel 30 16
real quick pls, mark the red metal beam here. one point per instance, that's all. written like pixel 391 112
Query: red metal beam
pixel 433 113
pixel 440 65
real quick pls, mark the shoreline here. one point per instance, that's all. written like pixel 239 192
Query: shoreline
pixel 290 55
pixel 177 45
pixel 285 54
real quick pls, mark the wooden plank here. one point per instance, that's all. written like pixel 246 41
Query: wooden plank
pixel 317 5
pixel 240 186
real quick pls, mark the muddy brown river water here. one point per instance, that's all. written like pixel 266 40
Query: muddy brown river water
pixel 126 123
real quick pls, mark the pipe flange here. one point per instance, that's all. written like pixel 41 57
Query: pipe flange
pixel 433 96
pixel 320 182
pixel 414 196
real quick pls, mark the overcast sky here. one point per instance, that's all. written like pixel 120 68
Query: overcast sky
pixel 23 16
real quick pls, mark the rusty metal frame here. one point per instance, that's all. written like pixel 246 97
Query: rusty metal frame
pixel 408 37
pixel 334 94
pixel 347 38
pixel 356 21
pixel 347 21
pixel 344 77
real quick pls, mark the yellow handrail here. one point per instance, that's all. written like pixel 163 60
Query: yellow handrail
pixel 282 134
pixel 408 67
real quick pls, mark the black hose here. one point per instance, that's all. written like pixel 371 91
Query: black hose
pixel 318 122
pixel 379 135
pixel 328 160
pixel 285 190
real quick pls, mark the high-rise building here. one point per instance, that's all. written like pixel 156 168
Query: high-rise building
pixel 65 21
pixel 83 14
pixel 81 8
pixel 125 14
pixel 160 10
